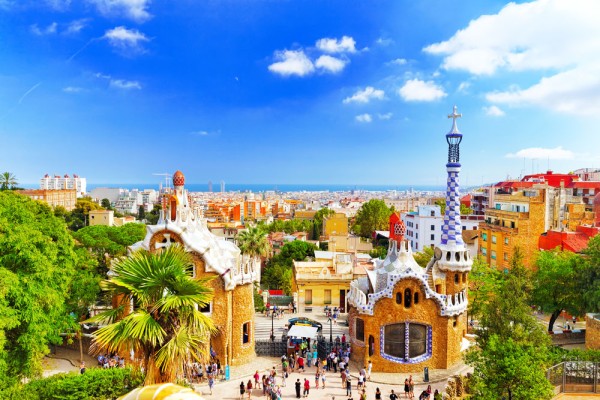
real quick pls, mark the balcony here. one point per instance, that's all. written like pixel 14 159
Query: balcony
pixel 502 214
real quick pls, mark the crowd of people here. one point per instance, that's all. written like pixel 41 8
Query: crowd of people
pixel 111 361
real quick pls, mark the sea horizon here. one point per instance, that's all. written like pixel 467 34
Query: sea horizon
pixel 265 187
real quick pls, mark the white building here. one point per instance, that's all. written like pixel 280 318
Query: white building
pixel 57 182
pixel 424 226
pixel 130 201
pixel 112 194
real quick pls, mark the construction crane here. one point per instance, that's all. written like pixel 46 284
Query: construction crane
pixel 167 178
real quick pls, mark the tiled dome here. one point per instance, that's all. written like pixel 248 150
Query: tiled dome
pixel 178 178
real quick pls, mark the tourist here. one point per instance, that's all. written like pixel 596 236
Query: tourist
pixel 284 376
pixel 406 388
pixel 437 395
pixel 348 386
pixel 411 387
pixel 297 386
pixel 306 387
pixel 300 363
pixel 265 383
pixel 256 380
pixel 323 379
pixel 393 396
pixel 249 387
pixel 369 368
pixel 360 383
pixel 344 376
pixel 317 376
pixel 82 368
pixel 242 390
pixel 377 394
pixel 211 383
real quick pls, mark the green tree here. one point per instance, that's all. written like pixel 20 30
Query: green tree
pixel 464 210
pixel 557 285
pixel 166 330
pixel 253 243
pixel 108 242
pixel 141 213
pixel 318 220
pixel 152 216
pixel 37 265
pixel 278 273
pixel 379 252
pixel 7 181
pixel 422 258
pixel 78 218
pixel 508 368
pixel 373 215
pixel 296 250
pixel 105 203
pixel 590 275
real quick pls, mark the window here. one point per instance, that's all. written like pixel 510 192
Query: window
pixel 484 251
pixel 432 213
pixel 404 348
pixel 432 237
pixel 417 235
pixel 484 237
pixel 308 296
pixel 455 278
pixel 464 228
pixel 493 238
pixel 433 227
pixel 246 333
pixel 207 309
pixel 371 345
pixel 493 255
pixel 407 298
pixel 416 299
pixel 505 240
pixel 359 329
pixel 505 257
pixel 512 224
pixel 327 296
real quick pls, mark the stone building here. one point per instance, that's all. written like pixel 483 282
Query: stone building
pixel 404 317
pixel 232 307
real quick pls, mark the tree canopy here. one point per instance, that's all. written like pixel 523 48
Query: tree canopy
pixel 166 330
pixel 37 265
pixel 373 215
pixel 253 242
pixel 278 273
pixel 8 181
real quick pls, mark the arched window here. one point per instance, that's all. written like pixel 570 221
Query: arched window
pixel 371 345
pixel 404 346
pixel 407 298
pixel 455 278
pixel 416 300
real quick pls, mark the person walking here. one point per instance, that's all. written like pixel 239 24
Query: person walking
pixel 369 369
pixel 306 387
pixel 249 388
pixel 411 387
pixel 377 394
pixel 406 388
pixel 393 396
pixel 211 382
pixel 242 390
pixel 317 376
pixel 257 380
pixel 297 386
pixel 323 379
pixel 348 386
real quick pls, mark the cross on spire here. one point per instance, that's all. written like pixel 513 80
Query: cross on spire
pixel 454 116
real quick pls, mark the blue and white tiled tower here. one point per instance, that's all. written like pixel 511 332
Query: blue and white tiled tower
pixel 452 254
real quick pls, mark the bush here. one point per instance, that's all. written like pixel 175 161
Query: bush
pixel 95 384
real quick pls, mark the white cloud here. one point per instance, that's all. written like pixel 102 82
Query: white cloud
pixel 398 61
pixel 364 118
pixel 330 64
pixel 49 30
pixel 364 96
pixel 418 90
pixel 128 40
pixel 331 45
pixel 292 62
pixel 125 85
pixel 559 36
pixel 385 116
pixel 494 111
pixel 72 89
pixel 384 41
pixel 200 133
pixel 59 5
pixel 136 10
pixel 462 88
pixel 76 26
pixel 557 153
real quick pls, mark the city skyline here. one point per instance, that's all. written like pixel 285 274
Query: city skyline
pixel 300 93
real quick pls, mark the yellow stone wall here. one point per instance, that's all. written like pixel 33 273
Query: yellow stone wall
pixel 592 333
pixel 318 293
pixel 446 338
pixel 336 224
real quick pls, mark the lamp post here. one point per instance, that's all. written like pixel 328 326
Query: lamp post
pixel 330 332
pixel 272 326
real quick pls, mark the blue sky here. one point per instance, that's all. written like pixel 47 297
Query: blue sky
pixel 281 91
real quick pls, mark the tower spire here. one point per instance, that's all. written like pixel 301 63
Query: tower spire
pixel 452 227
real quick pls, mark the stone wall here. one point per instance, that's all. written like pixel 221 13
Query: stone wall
pixel 447 332
pixel 592 332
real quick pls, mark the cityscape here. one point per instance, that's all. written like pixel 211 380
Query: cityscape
pixel 286 199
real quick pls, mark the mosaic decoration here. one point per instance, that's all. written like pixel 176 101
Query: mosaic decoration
pixel 452 227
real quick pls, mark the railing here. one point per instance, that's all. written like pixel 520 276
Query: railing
pixel 574 377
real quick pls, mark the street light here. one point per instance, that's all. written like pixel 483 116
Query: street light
pixel 272 327
pixel 330 331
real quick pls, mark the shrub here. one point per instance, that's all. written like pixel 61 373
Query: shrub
pixel 95 384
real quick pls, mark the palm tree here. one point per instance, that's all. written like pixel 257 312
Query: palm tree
pixel 166 330
pixel 7 181
pixel 253 243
